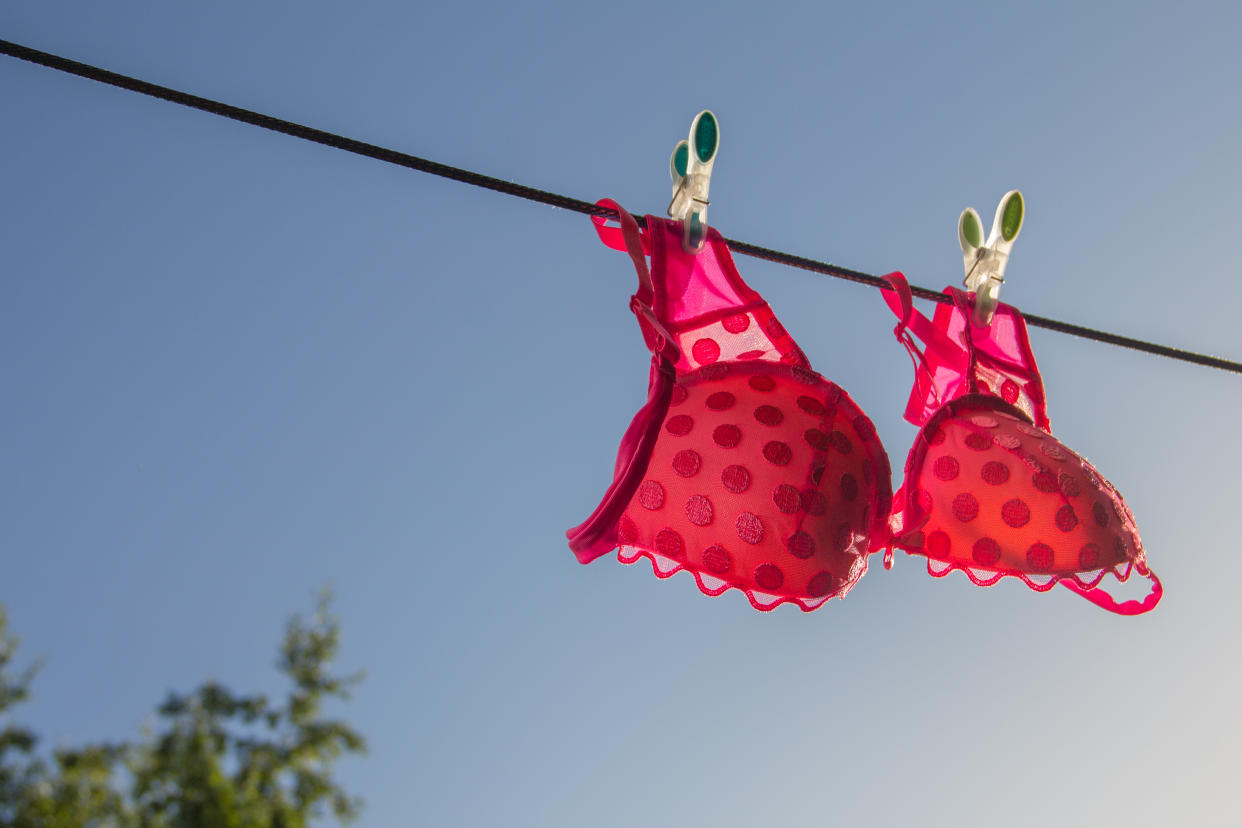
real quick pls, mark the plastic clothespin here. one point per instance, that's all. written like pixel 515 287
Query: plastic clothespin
pixel 985 261
pixel 691 170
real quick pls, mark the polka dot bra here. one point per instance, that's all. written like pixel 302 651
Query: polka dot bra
pixel 745 468
pixel 751 471
pixel 988 490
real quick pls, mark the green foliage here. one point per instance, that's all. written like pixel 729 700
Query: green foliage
pixel 215 760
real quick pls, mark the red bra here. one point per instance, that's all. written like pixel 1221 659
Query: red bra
pixel 988 489
pixel 745 467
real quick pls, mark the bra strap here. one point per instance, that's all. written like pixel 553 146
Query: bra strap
pixel 938 349
pixel 900 301
pixel 1098 596
pixel 630 239
pixel 598 534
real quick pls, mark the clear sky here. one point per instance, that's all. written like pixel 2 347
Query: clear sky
pixel 236 366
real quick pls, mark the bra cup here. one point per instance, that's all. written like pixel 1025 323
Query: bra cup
pixel 754 473
pixel 995 495
pixel 766 478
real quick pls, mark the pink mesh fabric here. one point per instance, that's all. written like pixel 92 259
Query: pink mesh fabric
pixel 746 467
pixel 961 358
pixel 988 489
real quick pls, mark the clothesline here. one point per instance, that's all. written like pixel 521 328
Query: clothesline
pixel 476 179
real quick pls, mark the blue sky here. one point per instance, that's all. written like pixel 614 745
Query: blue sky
pixel 237 366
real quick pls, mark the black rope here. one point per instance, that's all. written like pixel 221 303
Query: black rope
pixel 402 159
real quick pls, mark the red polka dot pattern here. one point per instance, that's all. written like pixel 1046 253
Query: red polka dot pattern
pixel 985 552
pixel 705 351
pixel 1089 556
pixel 777 453
pixel 699 510
pixel 1039 557
pixel 1045 481
pixel 801 545
pixel 735 478
pixel 945 468
pixel 965 507
pixel 670 544
pixel 814 503
pixel 804 375
pixel 811 406
pixel 816 439
pixel 769 576
pixel 651 495
pixel 687 462
pixel 994 473
pixel 778 480
pixel 1016 513
pixel 679 425
pixel 716 559
pixel 1053 450
pixel 978 441
pixel 727 436
pixel 762 383
pixel 750 528
pixel 820 584
pixel 1007 441
pixel 744 500
pixel 862 427
pixel 1037 510
pixel 1013 503
pixel 769 415
pixel 1100 513
pixel 787 499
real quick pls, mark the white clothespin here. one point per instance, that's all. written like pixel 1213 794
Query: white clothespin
pixel 691 170
pixel 985 261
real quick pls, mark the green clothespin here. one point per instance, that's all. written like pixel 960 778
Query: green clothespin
pixel 691 170
pixel 985 261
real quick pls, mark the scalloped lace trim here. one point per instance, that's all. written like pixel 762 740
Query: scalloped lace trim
pixel 984 577
pixel 710 585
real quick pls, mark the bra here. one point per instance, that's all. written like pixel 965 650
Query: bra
pixel 745 467
pixel 988 490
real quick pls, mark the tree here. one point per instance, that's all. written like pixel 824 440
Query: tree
pixel 215 759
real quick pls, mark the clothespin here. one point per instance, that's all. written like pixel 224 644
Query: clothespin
pixel 691 170
pixel 985 261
